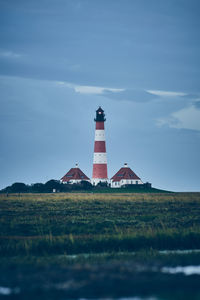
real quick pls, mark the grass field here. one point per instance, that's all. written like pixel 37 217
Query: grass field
pixel 69 246
pixel 81 223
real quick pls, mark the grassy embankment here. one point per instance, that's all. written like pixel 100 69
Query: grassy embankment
pixel 40 224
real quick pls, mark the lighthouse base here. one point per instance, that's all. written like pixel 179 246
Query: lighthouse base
pixel 95 181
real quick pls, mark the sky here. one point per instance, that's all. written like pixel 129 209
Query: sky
pixel 137 59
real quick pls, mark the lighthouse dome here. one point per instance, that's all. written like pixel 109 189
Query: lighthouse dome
pixel 100 116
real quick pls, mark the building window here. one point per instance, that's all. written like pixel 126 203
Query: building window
pixel 136 182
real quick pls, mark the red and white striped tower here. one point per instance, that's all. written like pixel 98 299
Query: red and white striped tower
pixel 100 158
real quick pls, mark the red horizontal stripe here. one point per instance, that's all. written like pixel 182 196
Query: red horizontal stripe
pixel 100 171
pixel 99 125
pixel 100 146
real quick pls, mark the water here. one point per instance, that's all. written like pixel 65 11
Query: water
pixel 6 291
pixel 188 251
pixel 126 298
pixel 87 255
pixel 186 270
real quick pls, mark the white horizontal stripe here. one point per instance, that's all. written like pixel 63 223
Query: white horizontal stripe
pixel 100 158
pixel 99 135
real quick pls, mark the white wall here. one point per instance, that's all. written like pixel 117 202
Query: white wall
pixel 71 181
pixel 122 182
pixel 95 181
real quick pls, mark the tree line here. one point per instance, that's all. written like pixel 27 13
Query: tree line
pixel 57 186
pixel 49 187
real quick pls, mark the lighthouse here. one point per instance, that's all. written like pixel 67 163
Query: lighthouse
pixel 99 173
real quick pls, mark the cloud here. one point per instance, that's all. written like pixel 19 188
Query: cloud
pixel 197 103
pixel 9 54
pixel 166 93
pixel 84 89
pixel 186 118
pixel 132 95
pixel 87 89
pixel 140 95
pixel 75 67
pixel 119 94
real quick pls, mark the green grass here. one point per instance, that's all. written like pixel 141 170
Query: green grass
pixel 133 189
pixel 116 238
pixel 41 224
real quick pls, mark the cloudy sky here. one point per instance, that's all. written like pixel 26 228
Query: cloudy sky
pixel 138 59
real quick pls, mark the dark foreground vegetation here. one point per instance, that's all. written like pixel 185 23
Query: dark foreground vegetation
pixel 105 276
pixel 95 245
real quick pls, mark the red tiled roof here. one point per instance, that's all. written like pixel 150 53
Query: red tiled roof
pixel 125 173
pixel 74 173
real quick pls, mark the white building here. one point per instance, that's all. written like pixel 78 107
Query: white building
pixel 123 177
